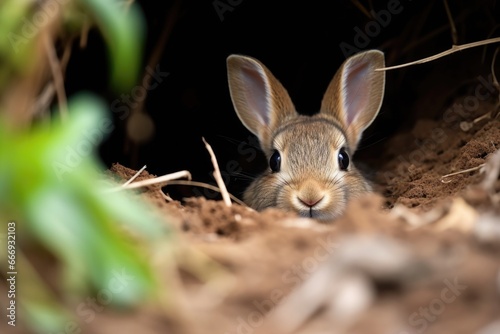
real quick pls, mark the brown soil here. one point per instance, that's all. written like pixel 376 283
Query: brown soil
pixel 418 255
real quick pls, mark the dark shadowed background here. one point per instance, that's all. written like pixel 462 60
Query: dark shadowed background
pixel 303 44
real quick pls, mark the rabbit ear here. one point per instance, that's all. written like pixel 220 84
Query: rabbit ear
pixel 355 94
pixel 260 101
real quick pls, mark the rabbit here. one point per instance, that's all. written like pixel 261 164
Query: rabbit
pixel 310 168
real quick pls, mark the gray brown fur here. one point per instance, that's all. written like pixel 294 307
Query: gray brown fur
pixel 308 145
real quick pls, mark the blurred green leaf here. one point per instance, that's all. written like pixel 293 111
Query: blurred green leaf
pixel 50 175
pixel 49 184
pixel 41 307
pixel 16 44
pixel 124 33
pixel 122 26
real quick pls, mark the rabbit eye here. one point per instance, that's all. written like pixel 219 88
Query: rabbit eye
pixel 275 162
pixel 343 159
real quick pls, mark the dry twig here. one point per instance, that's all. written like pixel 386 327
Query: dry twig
pixel 452 23
pixel 444 177
pixel 57 75
pixel 448 52
pixel 134 177
pixel 218 176
pixel 44 100
pixel 166 197
pixel 170 20
pixel 204 185
pixel 362 9
pixel 84 36
pixel 160 179
pixel 466 126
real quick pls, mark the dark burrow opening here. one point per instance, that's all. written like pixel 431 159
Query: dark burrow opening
pixel 415 139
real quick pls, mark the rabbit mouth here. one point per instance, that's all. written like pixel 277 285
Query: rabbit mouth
pixel 311 213
pixel 317 208
pixel 318 214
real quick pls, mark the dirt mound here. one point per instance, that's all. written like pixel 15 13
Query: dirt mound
pixel 421 254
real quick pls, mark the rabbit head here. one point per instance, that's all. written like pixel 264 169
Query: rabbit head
pixel 310 167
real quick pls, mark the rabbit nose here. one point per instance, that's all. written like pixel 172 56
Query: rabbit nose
pixel 310 202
